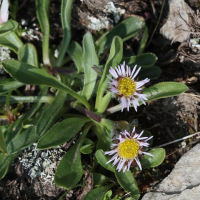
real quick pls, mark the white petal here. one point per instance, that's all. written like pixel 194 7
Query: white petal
pixel 119 71
pixel 113 73
pixel 135 104
pixel 127 70
pixel 136 73
pixel 123 100
pixel 147 153
pixel 4 11
pixel 123 70
pixel 133 71
pixel 138 162
pixel 141 134
pixel 110 78
pixel 148 138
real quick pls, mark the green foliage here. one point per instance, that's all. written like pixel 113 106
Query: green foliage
pixel 8 27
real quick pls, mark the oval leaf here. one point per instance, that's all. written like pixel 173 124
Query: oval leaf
pixel 128 183
pixel 10 86
pixel 98 193
pixel 155 160
pixel 100 179
pixel 70 170
pixel 144 60
pixel 8 27
pixel 102 159
pixel 126 30
pixel 66 129
pixel 151 73
pixel 90 59
pixel 11 41
pixel 86 149
pixel 164 89
pixel 75 51
pixel 28 54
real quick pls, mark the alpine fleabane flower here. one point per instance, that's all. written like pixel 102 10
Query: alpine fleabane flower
pixel 125 87
pixel 128 149
pixel 4 11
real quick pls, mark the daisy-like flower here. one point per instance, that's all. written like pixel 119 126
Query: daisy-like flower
pixel 128 149
pixel 126 88
pixel 4 11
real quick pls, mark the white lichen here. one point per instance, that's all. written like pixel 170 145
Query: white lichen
pixel 117 12
pixel 44 164
pixel 98 24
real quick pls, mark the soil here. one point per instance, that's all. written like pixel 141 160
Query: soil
pixel 167 119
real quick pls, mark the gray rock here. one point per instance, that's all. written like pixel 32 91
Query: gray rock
pixel 183 182
pixel 176 28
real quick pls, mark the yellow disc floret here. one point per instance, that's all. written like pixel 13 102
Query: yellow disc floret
pixel 128 149
pixel 126 87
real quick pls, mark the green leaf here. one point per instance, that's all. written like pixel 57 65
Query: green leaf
pixel 89 60
pixel 70 170
pixel 11 41
pixel 98 193
pixel 27 99
pixel 33 76
pixel 164 89
pixel 151 73
pixel 42 10
pixel 28 54
pixel 5 162
pixel 143 41
pixel 2 143
pixel 75 51
pixel 66 8
pixel 115 57
pixel 51 113
pixel 155 160
pixel 102 159
pixel 128 183
pixel 8 27
pixel 126 30
pixel 10 86
pixel 144 60
pixel 100 179
pixel 86 149
pixel 61 132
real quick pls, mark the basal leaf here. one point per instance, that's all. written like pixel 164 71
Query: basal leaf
pixel 144 60
pixel 102 159
pixel 10 86
pixel 89 60
pixel 70 170
pixel 8 27
pixel 128 183
pixel 66 8
pixel 155 160
pixel 98 193
pixel 28 54
pixel 61 132
pixel 126 30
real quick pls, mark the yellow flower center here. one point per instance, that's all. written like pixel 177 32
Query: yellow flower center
pixel 128 149
pixel 126 87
